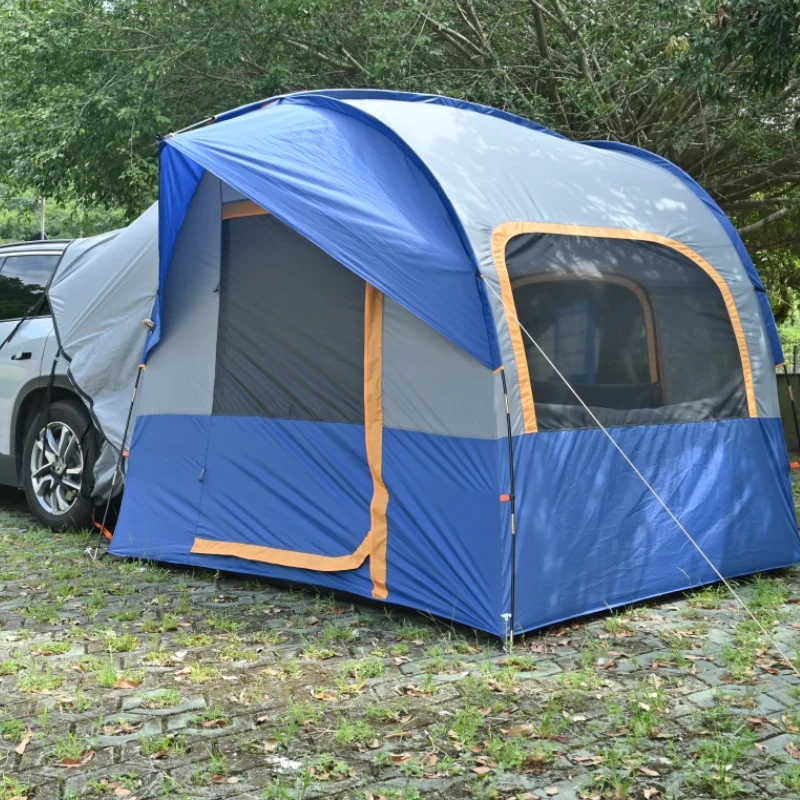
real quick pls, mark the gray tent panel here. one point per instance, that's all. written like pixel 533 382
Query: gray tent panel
pixel 99 300
pixel 431 384
pixel 180 380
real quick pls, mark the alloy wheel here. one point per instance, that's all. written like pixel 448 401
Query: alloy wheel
pixel 57 468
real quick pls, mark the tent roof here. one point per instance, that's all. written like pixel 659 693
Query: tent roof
pixel 339 172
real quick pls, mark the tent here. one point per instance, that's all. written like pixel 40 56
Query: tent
pixel 342 386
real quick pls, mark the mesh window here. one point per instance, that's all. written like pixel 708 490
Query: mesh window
pixel 291 327
pixel 640 331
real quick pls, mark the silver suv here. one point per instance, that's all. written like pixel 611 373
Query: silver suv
pixel 48 444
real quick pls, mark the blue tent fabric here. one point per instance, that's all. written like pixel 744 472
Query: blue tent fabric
pixel 183 176
pixel 385 94
pixel 342 180
pixel 733 234
pixel 704 471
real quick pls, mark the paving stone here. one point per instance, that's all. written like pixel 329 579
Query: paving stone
pixel 133 705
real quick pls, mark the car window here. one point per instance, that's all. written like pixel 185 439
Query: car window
pixel 22 282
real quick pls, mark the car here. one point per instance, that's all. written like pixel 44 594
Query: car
pixel 48 444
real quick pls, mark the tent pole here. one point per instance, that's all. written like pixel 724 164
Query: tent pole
pixel 792 401
pixel 117 467
pixel 513 500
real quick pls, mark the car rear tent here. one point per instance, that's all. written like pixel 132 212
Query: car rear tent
pixel 348 286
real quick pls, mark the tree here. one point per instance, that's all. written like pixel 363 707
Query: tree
pixel 88 85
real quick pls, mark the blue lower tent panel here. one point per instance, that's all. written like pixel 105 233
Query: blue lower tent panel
pixel 306 486
pixel 444 535
pixel 591 536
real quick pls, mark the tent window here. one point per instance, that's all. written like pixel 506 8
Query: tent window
pixel 639 330
pixel 291 327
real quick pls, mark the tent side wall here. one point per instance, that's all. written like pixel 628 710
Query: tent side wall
pixel 590 535
pixel 251 451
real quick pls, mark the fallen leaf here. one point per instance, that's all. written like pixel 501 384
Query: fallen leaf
pixel 24 742
pixel 77 762
pixel 649 792
pixel 589 759
pixel 218 778
pixel 399 735
pixel 219 722
pixel 792 749
pixel 121 791
pixel 609 664
pixel 270 745
pixel 115 729
pixel 127 683
pixel 649 772
pixel 401 758
pixel 481 770
pixel 551 791
pixel 519 730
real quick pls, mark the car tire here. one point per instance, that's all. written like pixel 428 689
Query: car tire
pixel 58 460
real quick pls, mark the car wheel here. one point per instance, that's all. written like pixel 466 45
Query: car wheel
pixel 58 459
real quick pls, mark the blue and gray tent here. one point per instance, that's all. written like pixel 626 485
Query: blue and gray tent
pixel 353 288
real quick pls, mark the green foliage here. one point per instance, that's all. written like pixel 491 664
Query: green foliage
pixel 65 218
pixel 87 88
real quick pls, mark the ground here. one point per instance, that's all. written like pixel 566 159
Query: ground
pixel 125 679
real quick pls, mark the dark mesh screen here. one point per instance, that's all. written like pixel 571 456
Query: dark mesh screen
pixel 639 330
pixel 291 327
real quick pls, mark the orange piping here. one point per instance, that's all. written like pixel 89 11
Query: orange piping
pixel 515 333
pixel 503 233
pixel 242 208
pixel 284 558
pixel 373 427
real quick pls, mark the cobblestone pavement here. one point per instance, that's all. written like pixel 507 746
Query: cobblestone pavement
pixel 125 679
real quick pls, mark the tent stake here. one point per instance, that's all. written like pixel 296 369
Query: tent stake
pixel 792 401
pixel 120 456
pixel 513 500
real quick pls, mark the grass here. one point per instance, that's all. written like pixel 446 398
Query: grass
pixel 163 698
pixel 108 676
pixel 12 729
pixel 168 746
pixel 349 733
pixel 709 597
pixel 203 673
pixel 70 746
pixel 119 642
pixel 11 789
pixel 717 759
pixel 791 778
pixel 364 669
pixel 336 632
pixel 38 678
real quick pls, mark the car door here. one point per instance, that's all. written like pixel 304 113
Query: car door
pixel 23 278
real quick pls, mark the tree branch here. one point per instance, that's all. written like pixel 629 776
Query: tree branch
pixel 454 37
pixel 748 230
pixel 544 51
pixel 307 48
pixel 766 202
